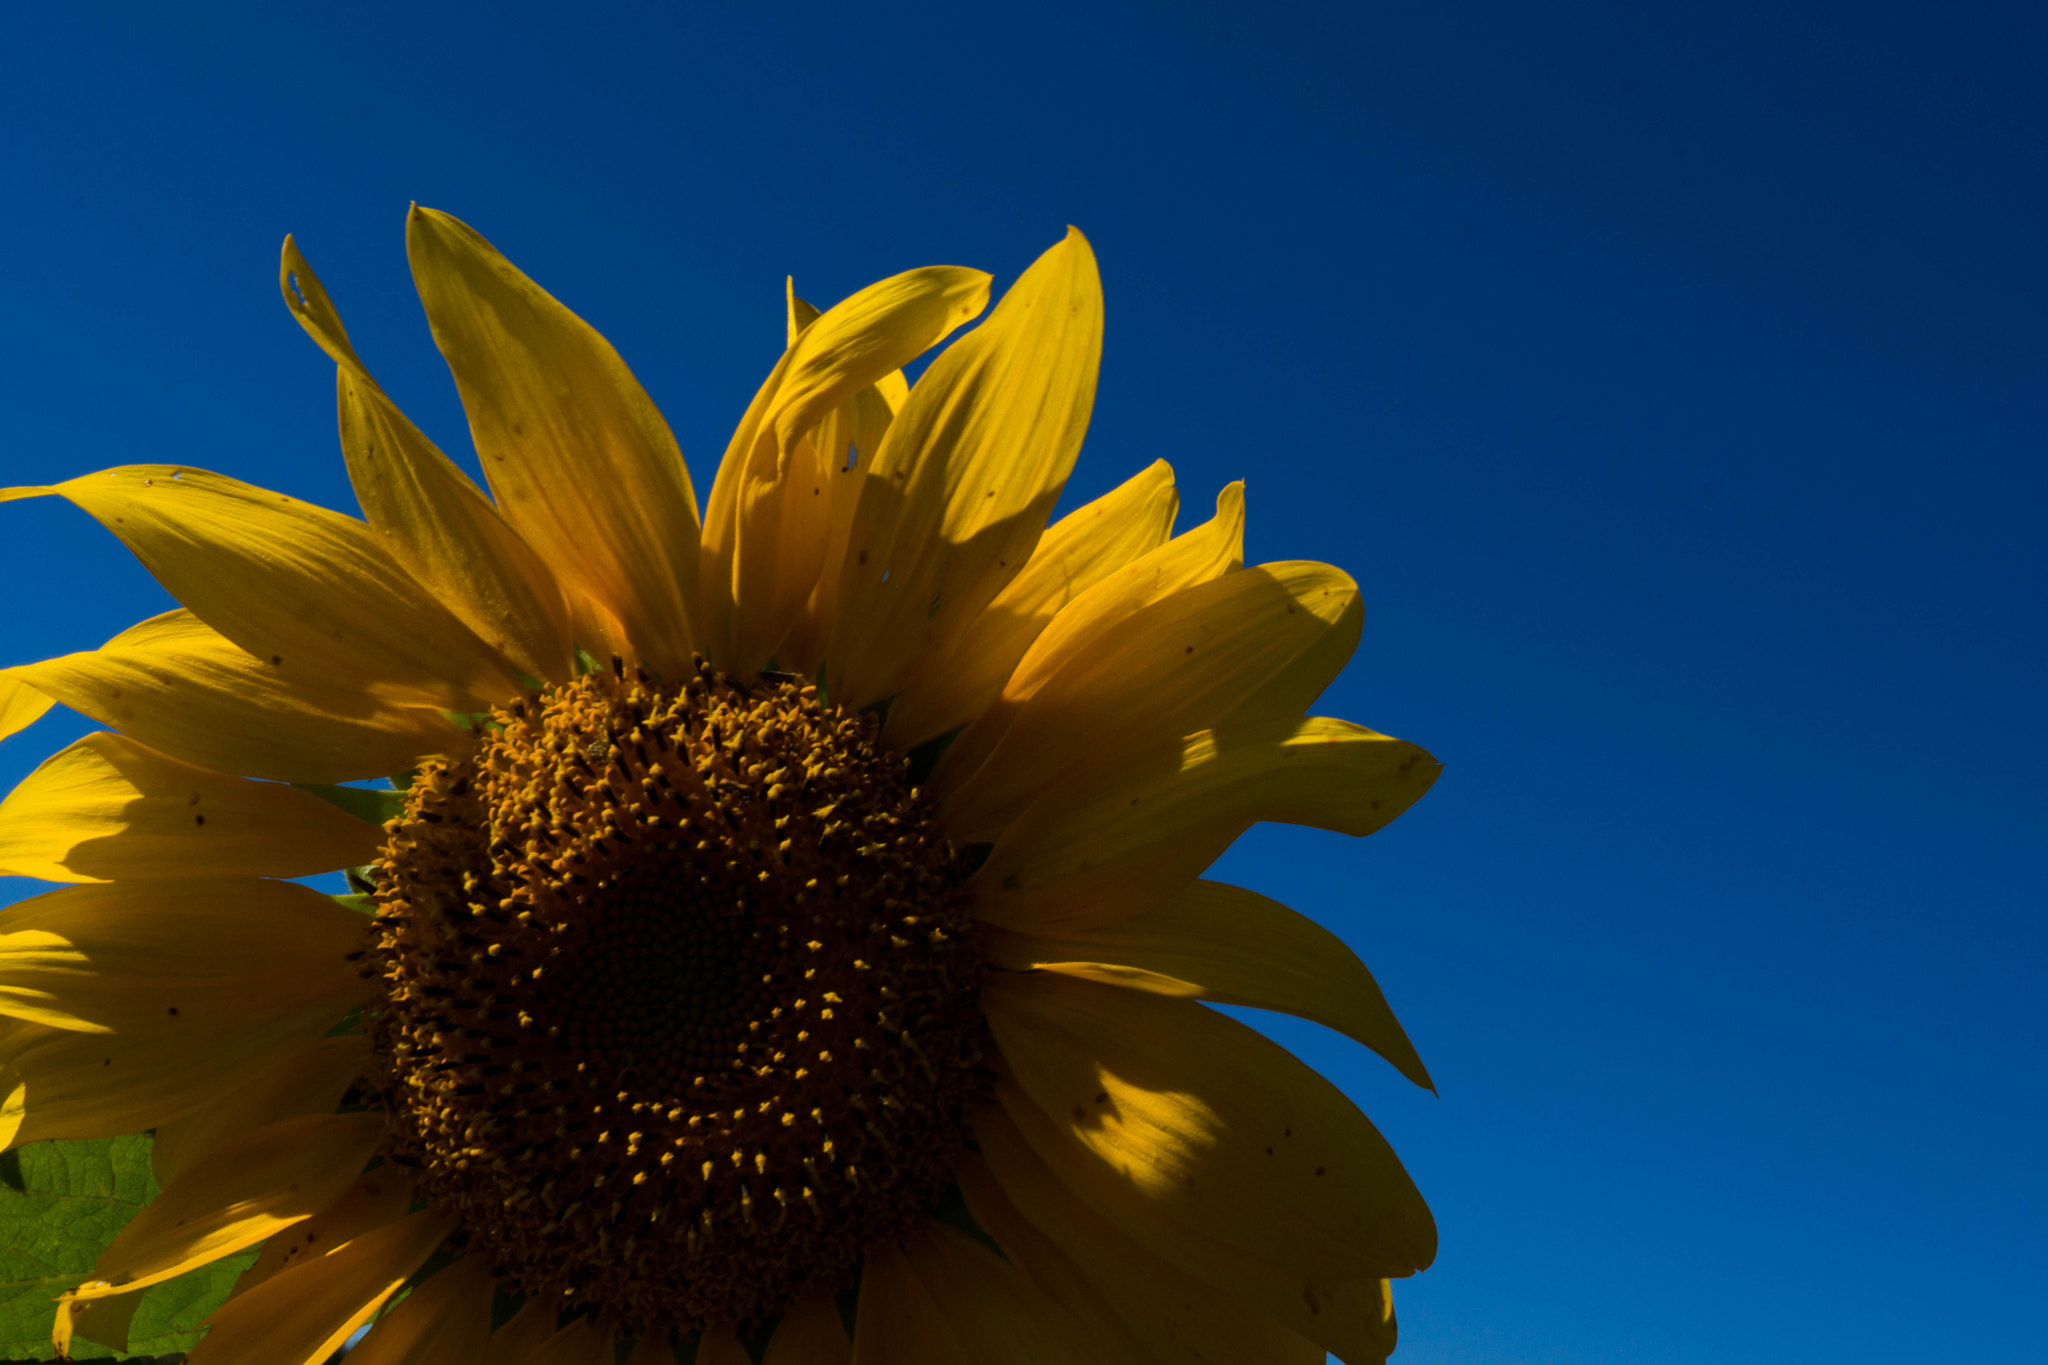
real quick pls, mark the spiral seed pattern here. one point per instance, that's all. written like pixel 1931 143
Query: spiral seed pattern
pixel 678 1006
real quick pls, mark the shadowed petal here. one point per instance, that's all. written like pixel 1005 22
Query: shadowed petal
pixel 184 689
pixel 1120 836
pixel 107 807
pixel 304 1315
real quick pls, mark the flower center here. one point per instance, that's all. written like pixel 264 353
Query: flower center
pixel 679 996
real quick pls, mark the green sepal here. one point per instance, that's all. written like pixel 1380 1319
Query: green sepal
pixel 372 805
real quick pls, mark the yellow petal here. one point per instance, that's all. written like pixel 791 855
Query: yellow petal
pixel 1218 1127
pixel 1077 552
pixel 523 1333
pixel 425 511
pixel 107 807
pixel 581 463
pixel 1216 942
pixel 446 1321
pixel 768 522
pixel 802 313
pixel 297 1084
pixel 810 1333
pixel 898 1322
pixel 20 705
pixel 653 1350
pixel 720 1345
pixel 1098 1272
pixel 1179 665
pixel 198 1004
pixel 1351 1318
pixel 845 444
pixel 132 956
pixel 373 1200
pixel 994 1310
pixel 309 590
pixel 262 1182
pixel 1118 837
pixel 304 1315
pixel 874 332
pixel 182 688
pixel 1296 685
pixel 967 475
pixel 1210 550
pixel 583 1342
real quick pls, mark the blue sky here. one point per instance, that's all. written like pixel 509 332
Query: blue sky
pixel 1672 383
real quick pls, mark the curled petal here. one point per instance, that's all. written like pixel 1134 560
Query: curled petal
pixel 1211 941
pixel 20 705
pixel 769 520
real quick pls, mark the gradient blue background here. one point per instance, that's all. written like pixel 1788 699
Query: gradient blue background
pixel 1671 381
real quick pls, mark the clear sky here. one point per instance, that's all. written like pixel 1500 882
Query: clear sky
pixel 1669 376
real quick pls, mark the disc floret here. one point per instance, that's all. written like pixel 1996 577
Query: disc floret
pixel 678 995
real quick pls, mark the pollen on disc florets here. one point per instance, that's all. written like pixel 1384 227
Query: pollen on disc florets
pixel 678 1002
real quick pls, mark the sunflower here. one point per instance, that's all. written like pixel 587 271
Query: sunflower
pixel 782 935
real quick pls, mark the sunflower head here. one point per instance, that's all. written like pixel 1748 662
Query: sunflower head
pixel 825 972
pixel 682 976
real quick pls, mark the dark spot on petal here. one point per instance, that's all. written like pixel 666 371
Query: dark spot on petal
pixel 174 1009
pixel 1102 1098
pixel 198 819
pixel 1319 1170
pixel 277 658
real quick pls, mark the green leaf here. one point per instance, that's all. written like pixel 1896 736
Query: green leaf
pixel 168 1322
pixel 60 1204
